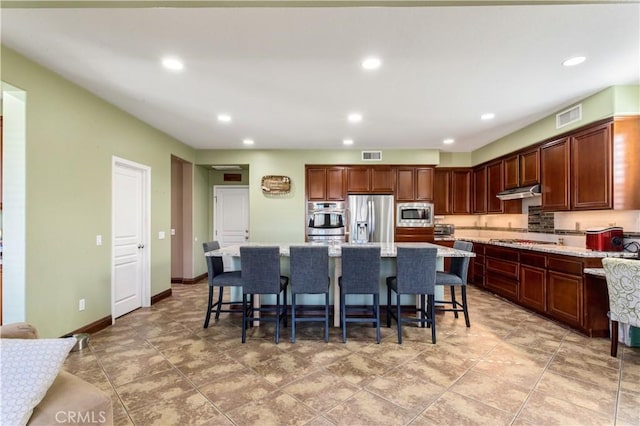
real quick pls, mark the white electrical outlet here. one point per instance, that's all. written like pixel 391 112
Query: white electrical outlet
pixel 81 305
pixel 161 235
pixel 173 231
pixel 98 240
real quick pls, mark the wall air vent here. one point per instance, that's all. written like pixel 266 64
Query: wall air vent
pixel 569 116
pixel 371 155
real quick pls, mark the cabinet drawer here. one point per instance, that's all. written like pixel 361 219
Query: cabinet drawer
pixel 538 260
pixel 567 265
pixel 501 285
pixel 504 267
pixel 502 253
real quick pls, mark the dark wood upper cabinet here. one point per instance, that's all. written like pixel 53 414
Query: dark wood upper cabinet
pixel 529 167
pixel 511 172
pixel 442 192
pixel 335 183
pixel 495 184
pixel 325 183
pixel 461 191
pixel 414 183
pixel 405 184
pixel 358 180
pixel 626 156
pixel 480 189
pixel 424 183
pixel 383 179
pixel 452 191
pixel 591 177
pixel 554 171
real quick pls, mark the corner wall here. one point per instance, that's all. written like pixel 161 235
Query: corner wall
pixel 71 137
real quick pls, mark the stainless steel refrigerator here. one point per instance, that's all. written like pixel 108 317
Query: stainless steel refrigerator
pixel 370 218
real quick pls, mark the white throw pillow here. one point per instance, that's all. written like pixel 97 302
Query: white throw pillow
pixel 28 367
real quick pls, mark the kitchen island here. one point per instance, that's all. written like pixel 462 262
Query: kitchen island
pixel 388 252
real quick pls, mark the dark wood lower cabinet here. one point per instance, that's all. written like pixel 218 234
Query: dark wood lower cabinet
pixel 414 235
pixel 550 284
pixel 533 288
pixel 565 297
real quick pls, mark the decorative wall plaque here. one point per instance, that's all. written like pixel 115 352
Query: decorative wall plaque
pixel 276 184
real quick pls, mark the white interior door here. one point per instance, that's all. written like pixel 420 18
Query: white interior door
pixel 230 215
pixel 129 280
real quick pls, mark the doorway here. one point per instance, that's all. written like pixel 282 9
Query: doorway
pixel 130 237
pixel 181 220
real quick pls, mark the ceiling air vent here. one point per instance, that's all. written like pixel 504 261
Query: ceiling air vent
pixel 371 155
pixel 569 116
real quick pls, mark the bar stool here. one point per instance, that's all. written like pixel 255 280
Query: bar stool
pixel 360 275
pixel 416 274
pixel 309 275
pixel 218 278
pixel 261 275
pixel 623 286
pixel 456 276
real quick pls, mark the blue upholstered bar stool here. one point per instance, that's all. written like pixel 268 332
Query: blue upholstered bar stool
pixel 309 275
pixel 415 274
pixel 360 275
pixel 456 277
pixel 261 275
pixel 218 278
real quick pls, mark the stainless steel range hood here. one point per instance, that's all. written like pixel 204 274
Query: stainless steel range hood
pixel 518 193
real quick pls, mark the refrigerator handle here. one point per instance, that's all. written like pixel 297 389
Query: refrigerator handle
pixel 372 216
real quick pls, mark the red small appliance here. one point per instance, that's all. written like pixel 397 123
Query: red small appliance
pixel 605 239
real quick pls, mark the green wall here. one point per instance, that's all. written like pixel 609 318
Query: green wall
pixel 614 100
pixel 71 138
pixel 280 218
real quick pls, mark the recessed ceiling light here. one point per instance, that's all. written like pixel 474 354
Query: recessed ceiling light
pixel 448 141
pixel 173 64
pixel 576 60
pixel 371 63
pixel 247 141
pixel 354 117
pixel 347 141
pixel 224 118
pixel 488 116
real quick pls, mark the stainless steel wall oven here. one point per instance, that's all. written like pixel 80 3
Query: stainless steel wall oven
pixel 326 221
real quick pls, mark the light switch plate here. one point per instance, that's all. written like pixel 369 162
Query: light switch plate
pixel 98 240
pixel 161 235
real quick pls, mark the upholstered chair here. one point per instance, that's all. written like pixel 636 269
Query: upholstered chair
pixel 456 276
pixel 623 285
pixel 218 278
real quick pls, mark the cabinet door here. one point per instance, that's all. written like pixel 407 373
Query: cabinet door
pixel 424 184
pixel 565 297
pixel 511 172
pixel 461 192
pixel 480 190
pixel 591 178
pixel 494 185
pixel 554 171
pixel 442 191
pixel 530 167
pixel 383 180
pixel 335 184
pixel 533 287
pixel 316 184
pixel 405 189
pixel 358 180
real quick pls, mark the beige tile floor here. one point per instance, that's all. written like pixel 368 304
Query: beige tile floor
pixel 511 367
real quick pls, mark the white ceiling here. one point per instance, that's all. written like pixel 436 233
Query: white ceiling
pixel 289 76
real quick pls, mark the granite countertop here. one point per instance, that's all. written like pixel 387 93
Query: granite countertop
pixel 598 272
pixel 386 249
pixel 552 248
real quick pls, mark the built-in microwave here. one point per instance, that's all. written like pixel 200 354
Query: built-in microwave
pixel 414 214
